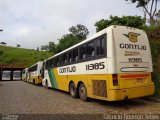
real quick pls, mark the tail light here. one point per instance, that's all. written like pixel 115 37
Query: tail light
pixel 115 79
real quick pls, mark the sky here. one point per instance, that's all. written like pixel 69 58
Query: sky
pixel 32 23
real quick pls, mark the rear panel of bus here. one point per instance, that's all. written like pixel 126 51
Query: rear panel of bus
pixel 133 65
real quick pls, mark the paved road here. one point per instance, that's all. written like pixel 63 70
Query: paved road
pixel 25 98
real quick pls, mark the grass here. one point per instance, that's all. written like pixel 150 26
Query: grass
pixel 21 56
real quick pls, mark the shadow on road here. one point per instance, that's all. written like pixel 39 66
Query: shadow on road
pixel 125 104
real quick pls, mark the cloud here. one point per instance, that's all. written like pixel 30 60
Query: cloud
pixel 32 23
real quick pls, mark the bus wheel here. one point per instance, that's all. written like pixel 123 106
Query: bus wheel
pixel 73 90
pixel 83 92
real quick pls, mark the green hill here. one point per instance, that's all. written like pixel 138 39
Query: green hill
pixel 21 56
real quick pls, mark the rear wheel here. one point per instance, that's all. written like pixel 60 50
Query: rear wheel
pixel 73 90
pixel 83 92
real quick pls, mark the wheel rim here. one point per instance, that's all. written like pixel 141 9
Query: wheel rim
pixel 83 92
pixel 72 90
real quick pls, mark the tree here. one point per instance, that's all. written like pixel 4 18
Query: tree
pixel 76 35
pixel 67 41
pixel 37 49
pixel 45 47
pixel 79 31
pixel 52 47
pixel 131 21
pixel 18 45
pixel 149 6
pixel 158 14
pixel 3 43
pixel 157 17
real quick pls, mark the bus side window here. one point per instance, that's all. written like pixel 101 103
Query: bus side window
pixel 90 49
pixel 75 54
pixel 60 62
pixel 82 52
pixel 56 62
pixel 64 58
pixel 100 46
pixel 70 57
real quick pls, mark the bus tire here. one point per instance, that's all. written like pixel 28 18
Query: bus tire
pixel 83 92
pixel 73 90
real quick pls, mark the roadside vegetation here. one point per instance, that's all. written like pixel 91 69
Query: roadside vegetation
pixel 21 56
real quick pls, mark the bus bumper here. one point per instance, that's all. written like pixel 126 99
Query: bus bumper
pixel 123 94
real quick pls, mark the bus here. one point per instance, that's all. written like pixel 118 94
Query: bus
pixel 34 73
pixel 25 74
pixel 17 75
pixel 6 75
pixel 113 64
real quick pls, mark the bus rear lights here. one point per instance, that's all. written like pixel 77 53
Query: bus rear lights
pixel 135 76
pixel 115 79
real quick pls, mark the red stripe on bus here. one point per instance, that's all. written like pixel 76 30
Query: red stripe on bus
pixel 134 76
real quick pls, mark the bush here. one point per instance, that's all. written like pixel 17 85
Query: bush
pixel 1 52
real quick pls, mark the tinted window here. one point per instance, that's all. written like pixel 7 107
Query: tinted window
pixel 82 52
pixel 56 61
pixel 64 59
pixel 51 62
pixel 75 54
pixel 100 46
pixel 70 57
pixel 33 68
pixel 90 49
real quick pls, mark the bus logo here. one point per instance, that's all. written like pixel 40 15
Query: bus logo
pixel 132 36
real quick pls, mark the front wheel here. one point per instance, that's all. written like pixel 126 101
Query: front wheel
pixel 83 92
